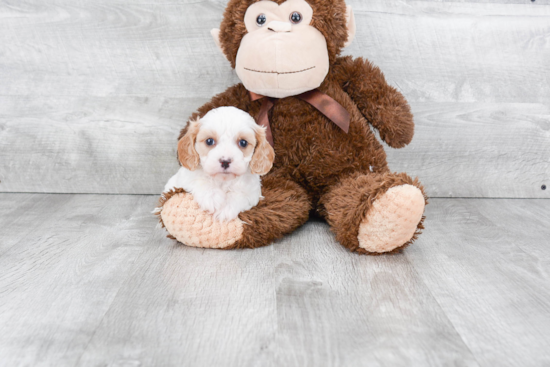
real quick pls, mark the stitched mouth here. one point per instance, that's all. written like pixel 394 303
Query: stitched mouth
pixel 279 72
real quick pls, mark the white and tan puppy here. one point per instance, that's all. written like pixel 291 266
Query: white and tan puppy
pixel 223 156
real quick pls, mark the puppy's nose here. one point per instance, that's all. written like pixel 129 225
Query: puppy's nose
pixel 225 163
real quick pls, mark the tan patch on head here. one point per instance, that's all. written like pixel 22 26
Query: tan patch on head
pixel 202 136
pixel 250 137
pixel 187 155
pixel 263 157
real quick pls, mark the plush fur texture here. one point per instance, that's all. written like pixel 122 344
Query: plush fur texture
pixel 191 225
pixel 319 168
pixel 260 64
pixel 224 199
pixel 329 17
pixel 392 220
pixel 222 175
pixel 349 202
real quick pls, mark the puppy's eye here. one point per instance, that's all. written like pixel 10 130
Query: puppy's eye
pixel 295 17
pixel 243 143
pixel 210 141
pixel 261 19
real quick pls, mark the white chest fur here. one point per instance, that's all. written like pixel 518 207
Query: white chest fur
pixel 224 199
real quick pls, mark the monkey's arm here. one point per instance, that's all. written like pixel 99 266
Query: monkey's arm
pixel 235 96
pixel 381 104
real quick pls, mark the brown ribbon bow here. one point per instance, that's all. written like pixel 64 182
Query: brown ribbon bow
pixel 322 102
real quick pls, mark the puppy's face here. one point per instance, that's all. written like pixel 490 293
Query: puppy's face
pixel 226 143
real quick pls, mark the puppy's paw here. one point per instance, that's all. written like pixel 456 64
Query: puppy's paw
pixel 211 201
pixel 226 214
pixel 189 224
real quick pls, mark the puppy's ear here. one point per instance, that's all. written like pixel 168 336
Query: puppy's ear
pixel 187 155
pixel 262 159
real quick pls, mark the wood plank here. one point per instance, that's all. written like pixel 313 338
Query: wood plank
pixel 479 150
pixel 102 288
pixel 73 48
pixel 457 51
pixel 57 283
pixel 23 214
pixel 335 308
pixel 305 301
pixel 90 145
pixel 127 145
pixel 86 121
pixel 150 49
pixel 191 307
pixel 524 2
pixel 486 262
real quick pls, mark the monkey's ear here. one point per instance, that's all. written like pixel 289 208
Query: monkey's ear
pixel 215 32
pixel 350 24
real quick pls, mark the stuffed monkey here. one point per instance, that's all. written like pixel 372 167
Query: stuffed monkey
pixel 317 107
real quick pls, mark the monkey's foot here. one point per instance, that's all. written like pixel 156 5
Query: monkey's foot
pixel 186 222
pixel 393 219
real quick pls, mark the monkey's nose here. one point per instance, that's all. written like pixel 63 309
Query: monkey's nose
pixel 278 26
pixel 225 163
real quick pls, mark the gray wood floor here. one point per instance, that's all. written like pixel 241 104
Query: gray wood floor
pixel 86 280
pixel 92 96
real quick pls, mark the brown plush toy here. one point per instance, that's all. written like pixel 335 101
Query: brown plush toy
pixel 317 107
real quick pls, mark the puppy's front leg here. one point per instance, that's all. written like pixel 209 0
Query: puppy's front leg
pixel 227 213
pixel 235 203
pixel 210 200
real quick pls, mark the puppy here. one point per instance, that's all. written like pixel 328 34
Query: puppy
pixel 223 156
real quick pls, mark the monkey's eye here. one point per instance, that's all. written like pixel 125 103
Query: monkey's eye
pixel 295 17
pixel 260 21
pixel 210 141
pixel 243 143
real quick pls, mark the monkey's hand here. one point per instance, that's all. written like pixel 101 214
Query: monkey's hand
pixel 381 104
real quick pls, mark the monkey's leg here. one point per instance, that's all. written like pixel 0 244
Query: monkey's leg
pixel 375 213
pixel 284 208
pixel 187 223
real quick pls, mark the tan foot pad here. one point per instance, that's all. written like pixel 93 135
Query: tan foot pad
pixel 392 220
pixel 192 226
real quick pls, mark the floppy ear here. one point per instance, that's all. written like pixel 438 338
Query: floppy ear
pixel 262 159
pixel 187 155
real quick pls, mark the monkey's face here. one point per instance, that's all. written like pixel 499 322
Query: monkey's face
pixel 282 54
pixel 283 48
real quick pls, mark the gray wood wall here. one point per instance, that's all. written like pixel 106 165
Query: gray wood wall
pixel 93 93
